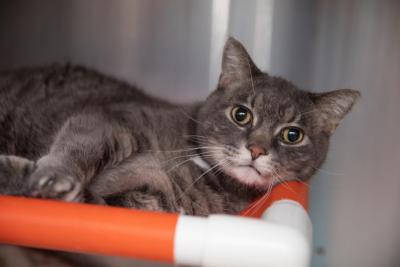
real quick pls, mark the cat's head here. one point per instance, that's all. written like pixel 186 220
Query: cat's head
pixel 259 129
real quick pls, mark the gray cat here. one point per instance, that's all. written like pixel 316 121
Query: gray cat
pixel 77 135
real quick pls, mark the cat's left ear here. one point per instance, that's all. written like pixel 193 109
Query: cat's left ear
pixel 331 107
pixel 237 65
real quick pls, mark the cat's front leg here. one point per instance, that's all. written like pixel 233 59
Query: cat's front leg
pixel 81 149
pixel 14 172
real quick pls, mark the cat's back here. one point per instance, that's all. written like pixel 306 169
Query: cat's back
pixel 35 101
pixel 67 82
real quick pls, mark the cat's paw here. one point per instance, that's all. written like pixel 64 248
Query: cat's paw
pixel 55 185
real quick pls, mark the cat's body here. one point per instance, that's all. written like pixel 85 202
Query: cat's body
pixel 144 143
pixel 91 138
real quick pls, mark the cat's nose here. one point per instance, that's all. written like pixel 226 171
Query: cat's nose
pixel 256 151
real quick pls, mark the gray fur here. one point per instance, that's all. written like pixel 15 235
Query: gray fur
pixel 91 138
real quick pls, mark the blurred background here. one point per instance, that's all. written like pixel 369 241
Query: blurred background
pixel 173 49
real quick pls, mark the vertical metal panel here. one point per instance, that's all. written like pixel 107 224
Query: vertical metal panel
pixel 219 33
pixel 358 47
pixel 162 46
pixel 263 26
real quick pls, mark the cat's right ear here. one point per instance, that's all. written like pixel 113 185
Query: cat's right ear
pixel 237 65
pixel 333 106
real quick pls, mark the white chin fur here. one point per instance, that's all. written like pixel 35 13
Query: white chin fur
pixel 249 176
pixel 240 169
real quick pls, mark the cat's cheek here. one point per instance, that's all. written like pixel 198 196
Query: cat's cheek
pixel 250 176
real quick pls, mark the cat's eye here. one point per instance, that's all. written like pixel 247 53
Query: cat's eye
pixel 292 135
pixel 241 115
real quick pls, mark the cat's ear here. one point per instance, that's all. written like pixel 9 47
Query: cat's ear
pixel 331 107
pixel 236 64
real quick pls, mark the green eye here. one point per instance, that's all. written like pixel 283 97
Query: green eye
pixel 241 115
pixel 292 135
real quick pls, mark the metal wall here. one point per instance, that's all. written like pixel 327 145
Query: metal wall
pixel 356 201
pixel 162 46
pixel 173 49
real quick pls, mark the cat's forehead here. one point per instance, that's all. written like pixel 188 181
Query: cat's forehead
pixel 275 107
pixel 275 101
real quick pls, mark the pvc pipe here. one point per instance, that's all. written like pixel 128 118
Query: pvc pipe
pixel 290 213
pixel 87 228
pixel 284 239
pixel 296 191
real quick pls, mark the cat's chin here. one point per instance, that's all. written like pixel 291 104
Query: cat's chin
pixel 250 176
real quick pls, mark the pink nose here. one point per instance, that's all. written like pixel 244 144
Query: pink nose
pixel 256 151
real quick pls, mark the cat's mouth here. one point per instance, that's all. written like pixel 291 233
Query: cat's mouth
pixel 249 174
pixel 255 169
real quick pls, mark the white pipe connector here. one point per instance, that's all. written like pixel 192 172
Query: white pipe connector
pixel 281 239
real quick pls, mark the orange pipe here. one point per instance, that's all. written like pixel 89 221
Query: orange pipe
pixel 87 228
pixel 293 190
pixel 107 230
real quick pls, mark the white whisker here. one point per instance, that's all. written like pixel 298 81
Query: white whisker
pixel 186 149
pixel 191 118
pixel 187 160
pixel 258 204
pixel 188 155
pixel 328 172
pixel 202 175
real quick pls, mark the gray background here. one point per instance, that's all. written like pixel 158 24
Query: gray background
pixel 173 49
